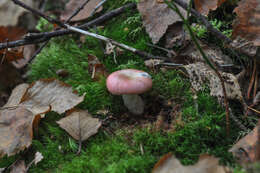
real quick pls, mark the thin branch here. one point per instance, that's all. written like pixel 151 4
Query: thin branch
pixel 34 38
pixel 46 42
pixel 100 37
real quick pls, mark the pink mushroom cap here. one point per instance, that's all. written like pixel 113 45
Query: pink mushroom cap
pixel 128 81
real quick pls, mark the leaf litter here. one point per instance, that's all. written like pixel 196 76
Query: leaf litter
pixel 25 108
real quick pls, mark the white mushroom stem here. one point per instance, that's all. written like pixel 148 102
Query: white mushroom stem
pixel 134 103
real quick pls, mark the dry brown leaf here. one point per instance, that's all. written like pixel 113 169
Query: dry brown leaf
pixel 247 149
pixel 84 13
pixel 245 28
pixel 12 12
pixel 16 129
pixel 10 34
pixel 157 17
pixel 206 164
pixel 28 52
pixel 201 74
pixel 204 6
pixel 80 125
pixel 19 167
pixel 176 35
pixel 17 95
pixel 50 92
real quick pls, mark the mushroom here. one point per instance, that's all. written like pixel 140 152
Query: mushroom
pixel 129 83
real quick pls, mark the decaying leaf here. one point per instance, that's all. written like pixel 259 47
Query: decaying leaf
pixel 10 34
pixel 19 167
pixel 245 28
pixel 16 130
pixel 206 164
pixel 28 52
pixel 12 12
pixel 152 62
pixel 80 125
pixel 247 149
pixel 96 68
pixel 157 17
pixel 204 6
pixel 200 74
pixel 176 35
pixel 51 92
pixel 17 94
pixel 72 5
pixel 244 46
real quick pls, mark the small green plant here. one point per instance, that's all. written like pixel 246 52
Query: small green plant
pixel 201 30
pixel 44 26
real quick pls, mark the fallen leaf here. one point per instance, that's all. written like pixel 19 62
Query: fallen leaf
pixel 204 6
pixel 19 167
pixel 50 92
pixel 72 5
pixel 10 34
pixel 244 46
pixel 157 17
pixel 16 129
pixel 201 74
pixel 80 125
pixel 206 164
pixel 28 51
pixel 12 12
pixel 176 35
pixel 151 63
pixel 245 28
pixel 247 149
pixel 17 94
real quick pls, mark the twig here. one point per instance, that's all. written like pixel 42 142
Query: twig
pixel 97 7
pixel 79 30
pixel 251 83
pixel 46 42
pixel 100 37
pixel 34 38
pixel 77 11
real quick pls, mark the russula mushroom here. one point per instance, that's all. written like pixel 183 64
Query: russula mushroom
pixel 129 83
